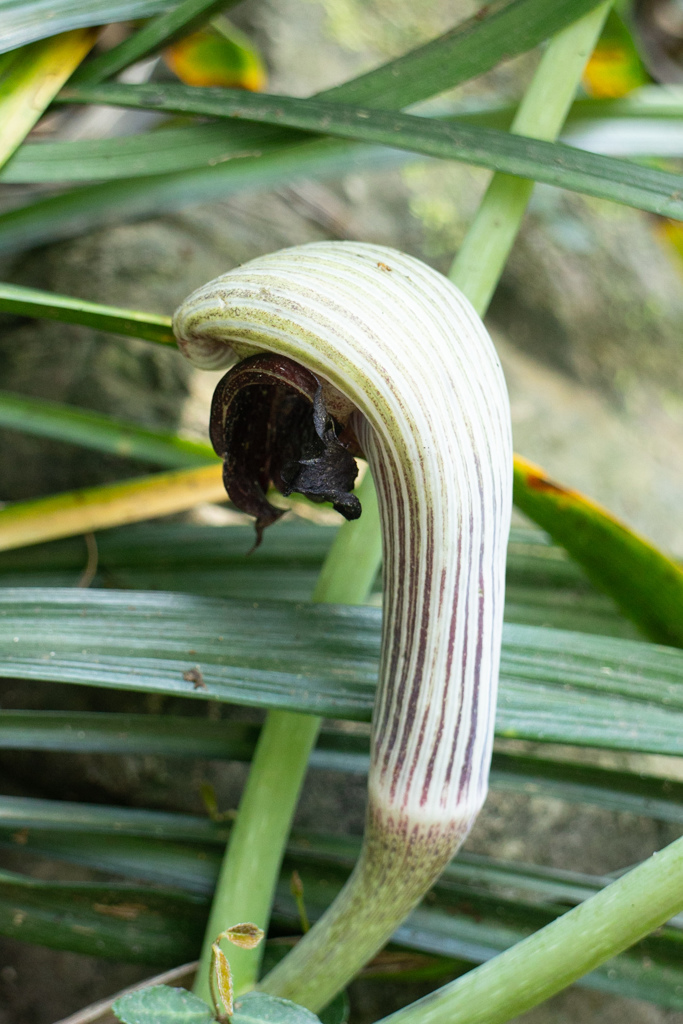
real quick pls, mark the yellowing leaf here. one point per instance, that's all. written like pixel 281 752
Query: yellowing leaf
pixel 614 68
pixel 646 584
pixel 671 232
pixel 221 983
pixel 218 55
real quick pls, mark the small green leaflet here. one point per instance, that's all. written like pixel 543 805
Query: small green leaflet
pixel 258 1008
pixel 164 1005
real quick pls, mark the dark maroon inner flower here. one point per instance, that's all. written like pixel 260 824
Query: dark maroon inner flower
pixel 269 424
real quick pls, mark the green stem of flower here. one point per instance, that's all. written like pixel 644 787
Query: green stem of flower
pixel 247 882
pixel 251 866
pixel 563 951
pixel 477 268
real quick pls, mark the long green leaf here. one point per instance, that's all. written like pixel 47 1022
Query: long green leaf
pixel 544 587
pixel 468 50
pixel 646 584
pixel 104 433
pixel 180 20
pixel 172 736
pixel 164 151
pixel 205 145
pixel 33 302
pixel 559 687
pixel 22 21
pixel 551 163
pixel 467 921
pixel 79 210
pixel 29 813
pixel 129 923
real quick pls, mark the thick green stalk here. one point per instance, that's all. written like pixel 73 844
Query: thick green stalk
pixel 476 272
pixel 563 951
pixel 541 114
pixel 252 861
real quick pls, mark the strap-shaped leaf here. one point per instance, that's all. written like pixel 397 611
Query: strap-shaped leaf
pixel 469 49
pixel 551 163
pixel 22 21
pixel 131 323
pixel 130 923
pixel 175 736
pixel 102 432
pixel 203 145
pixel 555 686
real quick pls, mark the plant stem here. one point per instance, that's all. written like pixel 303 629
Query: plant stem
pixel 353 561
pixel 563 951
pixel 541 114
pixel 251 866
pixel 254 853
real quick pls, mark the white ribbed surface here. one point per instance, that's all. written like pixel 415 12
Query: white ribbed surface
pixel 412 355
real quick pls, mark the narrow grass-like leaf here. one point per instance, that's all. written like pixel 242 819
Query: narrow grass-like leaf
pixel 23 21
pixel 206 145
pixel 101 432
pixel 498 31
pixel 164 151
pixel 32 79
pixel 472 915
pixel 165 735
pixel 95 508
pixel 172 24
pixel 77 211
pixel 552 163
pixel 647 585
pixel 35 303
pixel 556 687
pixel 544 587
pixel 133 924
pixel 174 736
pixel 190 867
pixel 67 816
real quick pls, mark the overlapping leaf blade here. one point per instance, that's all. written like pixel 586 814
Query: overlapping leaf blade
pixel 472 916
pixel 67 309
pixel 469 49
pixel 556 686
pixel 552 163
pixel 131 923
pixel 22 21
pixel 102 432
pixel 202 145
pixel 543 586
